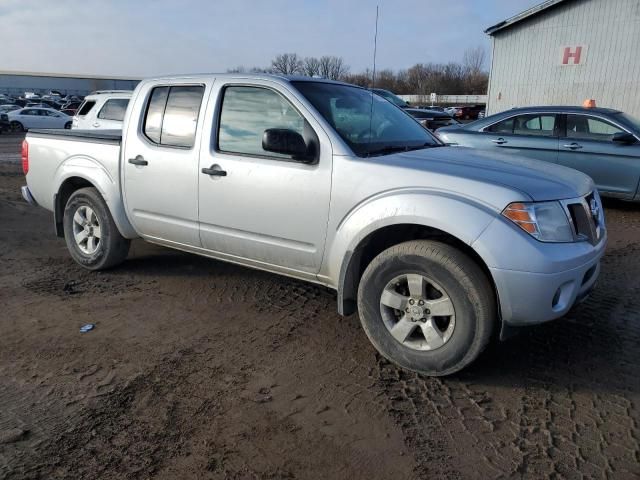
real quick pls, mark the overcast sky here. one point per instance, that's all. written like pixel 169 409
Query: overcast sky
pixel 144 38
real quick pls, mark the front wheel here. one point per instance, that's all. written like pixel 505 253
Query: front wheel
pixel 16 127
pixel 67 126
pixel 427 307
pixel 92 237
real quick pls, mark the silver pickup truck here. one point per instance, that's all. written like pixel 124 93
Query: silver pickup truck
pixel 437 248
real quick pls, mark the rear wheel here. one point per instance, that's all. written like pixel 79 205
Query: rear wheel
pixel 92 237
pixel 427 307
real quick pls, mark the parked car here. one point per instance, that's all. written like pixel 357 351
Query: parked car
pixel 31 117
pixel 322 181
pixel 102 110
pixel 601 142
pixel 430 119
pixel 467 112
pixel 9 108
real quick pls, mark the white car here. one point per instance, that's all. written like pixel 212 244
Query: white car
pixel 31 117
pixel 103 110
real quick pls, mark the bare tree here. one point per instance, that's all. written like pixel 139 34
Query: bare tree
pixel 474 59
pixel 333 68
pixel 286 64
pixel 311 67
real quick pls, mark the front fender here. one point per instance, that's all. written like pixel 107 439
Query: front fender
pixel 460 217
pixel 106 182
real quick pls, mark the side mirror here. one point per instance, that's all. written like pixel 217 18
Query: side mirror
pixel 286 142
pixel 623 137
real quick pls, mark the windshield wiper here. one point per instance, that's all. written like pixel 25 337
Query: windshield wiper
pixel 387 149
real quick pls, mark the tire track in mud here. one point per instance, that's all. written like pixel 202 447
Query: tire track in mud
pixel 564 405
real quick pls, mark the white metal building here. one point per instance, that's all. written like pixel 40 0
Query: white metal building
pixel 20 82
pixel 562 52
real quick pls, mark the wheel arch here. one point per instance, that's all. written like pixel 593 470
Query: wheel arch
pixel 97 178
pixel 357 259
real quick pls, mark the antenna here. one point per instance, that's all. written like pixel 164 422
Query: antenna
pixel 373 76
pixel 375 50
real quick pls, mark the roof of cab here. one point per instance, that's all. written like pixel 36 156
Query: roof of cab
pixel 246 76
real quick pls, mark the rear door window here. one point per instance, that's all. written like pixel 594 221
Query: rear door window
pixel 505 126
pixel 172 115
pixel 86 108
pixel 114 109
pixel 528 124
pixel 535 124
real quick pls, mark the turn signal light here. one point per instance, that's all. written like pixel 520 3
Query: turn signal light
pixel 25 157
pixel 521 215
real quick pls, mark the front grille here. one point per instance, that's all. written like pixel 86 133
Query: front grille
pixel 4 117
pixel 586 217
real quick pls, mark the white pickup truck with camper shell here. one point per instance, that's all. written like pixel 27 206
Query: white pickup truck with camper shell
pixel 437 248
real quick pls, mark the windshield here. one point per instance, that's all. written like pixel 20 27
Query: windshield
pixel 387 95
pixel 369 124
pixel 634 122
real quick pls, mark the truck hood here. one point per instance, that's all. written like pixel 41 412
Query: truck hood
pixel 541 181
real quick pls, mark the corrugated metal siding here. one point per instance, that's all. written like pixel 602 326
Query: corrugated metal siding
pixel 527 69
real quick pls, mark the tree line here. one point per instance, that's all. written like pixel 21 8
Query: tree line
pixel 468 77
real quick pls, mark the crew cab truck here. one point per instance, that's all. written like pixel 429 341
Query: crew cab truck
pixel 437 248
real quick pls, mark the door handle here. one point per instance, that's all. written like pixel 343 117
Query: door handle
pixel 573 146
pixel 499 141
pixel 139 160
pixel 96 124
pixel 215 171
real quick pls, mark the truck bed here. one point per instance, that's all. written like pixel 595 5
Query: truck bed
pixel 103 136
pixel 56 155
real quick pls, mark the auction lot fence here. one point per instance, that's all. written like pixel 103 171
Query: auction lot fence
pixel 446 99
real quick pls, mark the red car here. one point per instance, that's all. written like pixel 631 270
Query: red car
pixel 469 112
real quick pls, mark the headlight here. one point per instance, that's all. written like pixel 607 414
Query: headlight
pixel 545 221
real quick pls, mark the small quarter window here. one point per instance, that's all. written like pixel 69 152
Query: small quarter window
pixel 86 108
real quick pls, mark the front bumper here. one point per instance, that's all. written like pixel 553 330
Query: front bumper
pixel 529 298
pixel 26 194
pixel 535 281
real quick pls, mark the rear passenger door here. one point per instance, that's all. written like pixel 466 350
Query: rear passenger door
pixel 160 164
pixel 587 146
pixel 532 135
pixel 111 114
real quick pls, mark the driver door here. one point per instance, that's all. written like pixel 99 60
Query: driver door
pixel 263 208
pixel 587 146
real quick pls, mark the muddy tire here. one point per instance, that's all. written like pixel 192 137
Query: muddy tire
pixel 16 127
pixel 427 307
pixel 92 237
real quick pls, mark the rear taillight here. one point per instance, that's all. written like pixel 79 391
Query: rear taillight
pixel 25 157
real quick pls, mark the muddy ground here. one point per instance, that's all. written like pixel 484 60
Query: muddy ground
pixel 200 369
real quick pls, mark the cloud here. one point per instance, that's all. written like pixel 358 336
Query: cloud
pixel 147 38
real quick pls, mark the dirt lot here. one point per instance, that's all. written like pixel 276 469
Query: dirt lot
pixel 199 369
